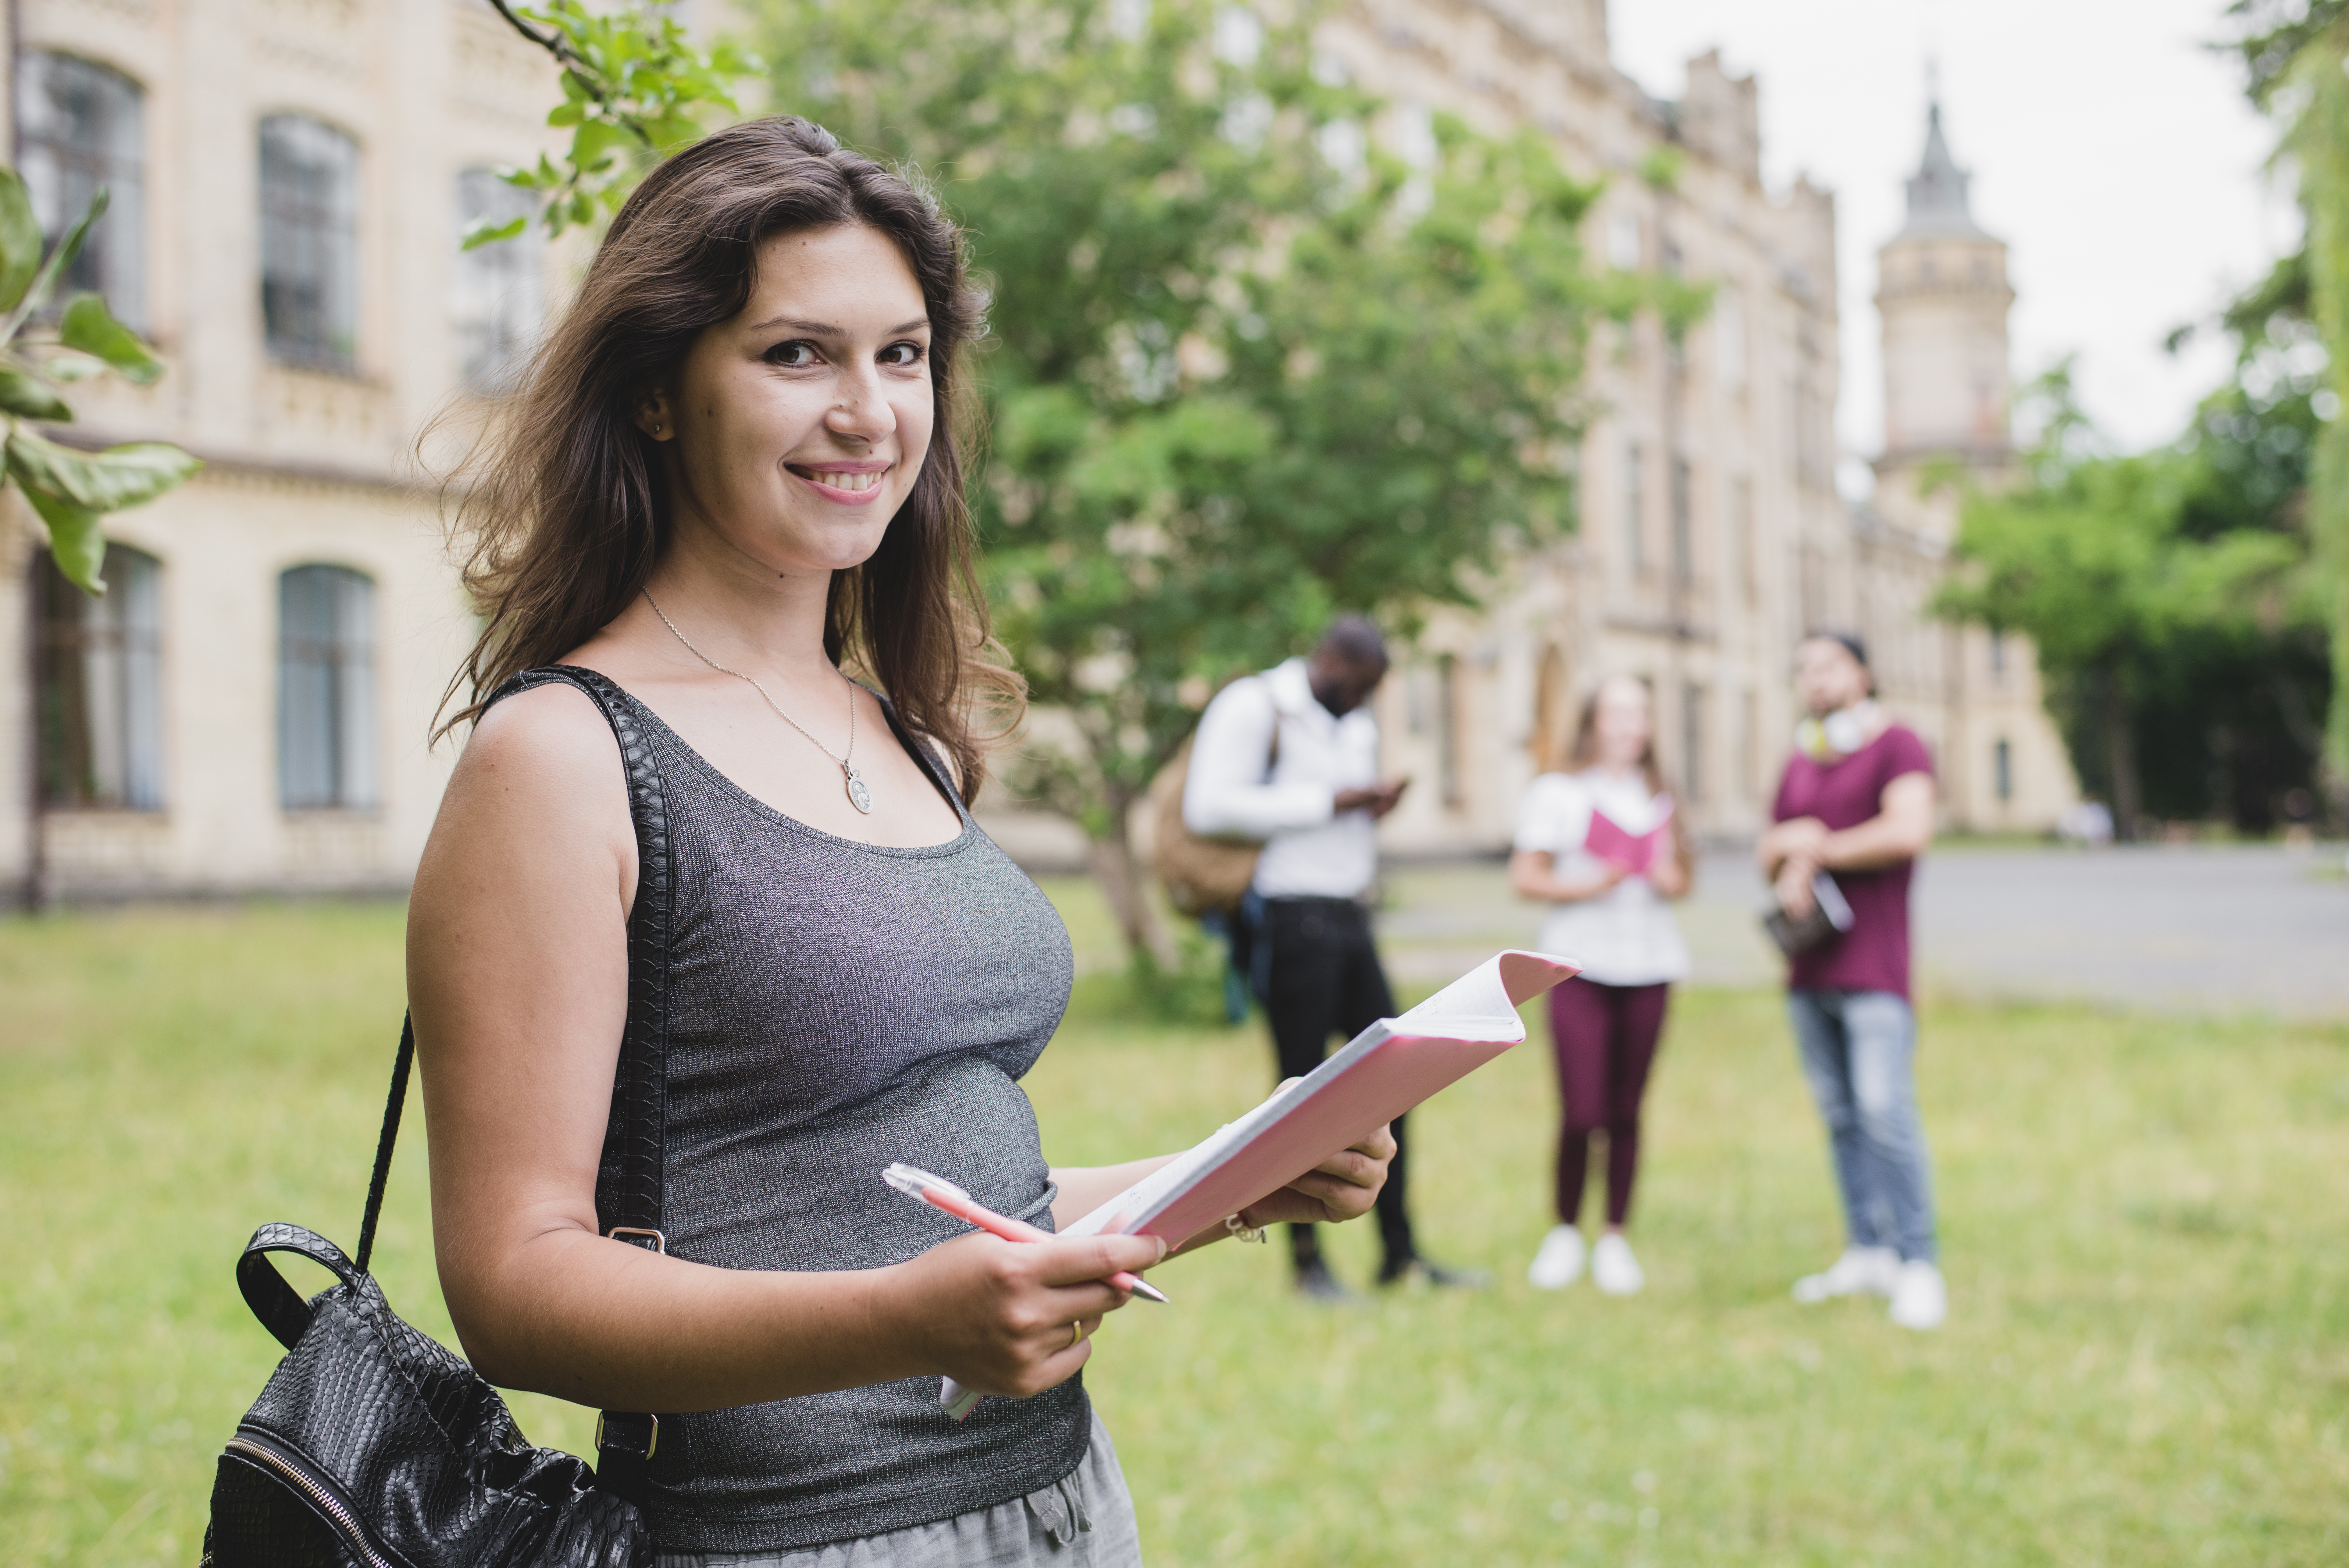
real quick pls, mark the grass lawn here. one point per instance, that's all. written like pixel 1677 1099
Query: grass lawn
pixel 2147 1360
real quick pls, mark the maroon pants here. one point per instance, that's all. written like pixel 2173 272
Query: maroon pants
pixel 1604 1036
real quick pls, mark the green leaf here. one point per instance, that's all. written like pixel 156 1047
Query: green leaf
pixel 20 239
pixel 489 231
pixel 63 256
pixel 90 326
pixel 71 365
pixel 110 481
pixel 25 394
pixel 594 144
pixel 75 539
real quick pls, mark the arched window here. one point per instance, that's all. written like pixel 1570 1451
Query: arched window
pixel 499 299
pixel 325 689
pixel 100 714
pixel 309 243
pixel 80 126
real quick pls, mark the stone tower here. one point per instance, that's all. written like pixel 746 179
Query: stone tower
pixel 1942 296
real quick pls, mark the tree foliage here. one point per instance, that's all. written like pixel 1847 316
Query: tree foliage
pixel 2178 620
pixel 69 489
pixel 2295 54
pixel 634 88
pixel 1263 350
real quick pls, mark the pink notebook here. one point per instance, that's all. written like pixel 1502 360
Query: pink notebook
pixel 1635 853
pixel 1382 1072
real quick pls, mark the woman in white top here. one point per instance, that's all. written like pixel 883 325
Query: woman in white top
pixel 1612 921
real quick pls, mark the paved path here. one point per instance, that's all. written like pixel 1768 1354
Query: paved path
pixel 2256 928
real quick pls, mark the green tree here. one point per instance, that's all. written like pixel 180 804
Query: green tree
pixel 2295 54
pixel 69 489
pixel 1249 368
pixel 634 88
pixel 2170 594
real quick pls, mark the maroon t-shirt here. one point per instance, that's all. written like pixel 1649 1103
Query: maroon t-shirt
pixel 1873 955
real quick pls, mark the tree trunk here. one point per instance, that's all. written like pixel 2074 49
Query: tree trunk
pixel 1126 885
pixel 2120 752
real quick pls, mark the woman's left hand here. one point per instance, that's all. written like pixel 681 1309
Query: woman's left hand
pixel 1342 1187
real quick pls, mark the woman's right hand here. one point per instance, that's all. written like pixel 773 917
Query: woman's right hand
pixel 997 1317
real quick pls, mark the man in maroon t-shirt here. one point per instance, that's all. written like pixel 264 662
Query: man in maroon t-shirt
pixel 1857 805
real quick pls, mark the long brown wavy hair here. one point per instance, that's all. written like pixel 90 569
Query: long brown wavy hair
pixel 564 507
pixel 1583 753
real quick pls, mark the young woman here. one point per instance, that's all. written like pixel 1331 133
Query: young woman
pixel 732 473
pixel 1612 921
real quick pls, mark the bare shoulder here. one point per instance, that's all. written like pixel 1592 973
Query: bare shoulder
pixel 539 782
pixel 548 749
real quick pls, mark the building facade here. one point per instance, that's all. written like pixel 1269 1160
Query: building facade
pixel 1713 532
pixel 247 707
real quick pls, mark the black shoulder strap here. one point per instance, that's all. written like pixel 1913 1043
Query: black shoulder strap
pixel 628 1176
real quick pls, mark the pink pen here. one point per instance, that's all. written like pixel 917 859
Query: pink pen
pixel 941 1194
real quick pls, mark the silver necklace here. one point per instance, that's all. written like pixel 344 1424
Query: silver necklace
pixel 859 794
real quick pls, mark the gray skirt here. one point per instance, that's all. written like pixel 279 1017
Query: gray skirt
pixel 1084 1520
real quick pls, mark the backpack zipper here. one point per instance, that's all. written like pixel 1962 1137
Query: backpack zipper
pixel 296 1475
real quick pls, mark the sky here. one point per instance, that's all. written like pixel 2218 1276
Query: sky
pixel 2114 153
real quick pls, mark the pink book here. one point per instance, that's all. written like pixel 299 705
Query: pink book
pixel 1635 853
pixel 1380 1073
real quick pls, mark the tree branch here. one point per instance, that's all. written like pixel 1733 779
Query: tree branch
pixel 550 41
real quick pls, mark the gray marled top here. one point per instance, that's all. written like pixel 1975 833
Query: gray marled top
pixel 837 1006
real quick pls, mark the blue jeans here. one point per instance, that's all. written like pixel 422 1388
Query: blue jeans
pixel 1859 1053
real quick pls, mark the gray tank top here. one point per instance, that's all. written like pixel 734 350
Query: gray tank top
pixel 834 1006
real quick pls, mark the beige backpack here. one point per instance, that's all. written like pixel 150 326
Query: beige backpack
pixel 1200 874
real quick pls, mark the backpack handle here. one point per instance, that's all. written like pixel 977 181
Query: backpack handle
pixel 281 1310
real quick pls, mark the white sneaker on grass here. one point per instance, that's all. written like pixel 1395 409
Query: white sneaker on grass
pixel 1613 1269
pixel 1558 1264
pixel 1861 1270
pixel 1921 1298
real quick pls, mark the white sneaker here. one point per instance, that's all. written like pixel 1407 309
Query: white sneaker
pixel 1558 1264
pixel 1921 1298
pixel 1613 1269
pixel 1861 1270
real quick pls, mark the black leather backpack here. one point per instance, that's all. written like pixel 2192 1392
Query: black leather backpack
pixel 372 1446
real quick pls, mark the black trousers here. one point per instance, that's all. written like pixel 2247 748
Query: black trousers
pixel 1319 978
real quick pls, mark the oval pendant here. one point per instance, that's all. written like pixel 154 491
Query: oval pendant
pixel 858 795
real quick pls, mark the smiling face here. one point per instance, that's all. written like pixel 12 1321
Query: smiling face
pixel 794 431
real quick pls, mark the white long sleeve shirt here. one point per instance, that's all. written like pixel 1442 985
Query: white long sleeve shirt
pixel 1311 850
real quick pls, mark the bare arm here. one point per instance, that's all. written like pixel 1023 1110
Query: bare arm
pixel 1343 1187
pixel 1902 829
pixel 518 978
pixel 1534 873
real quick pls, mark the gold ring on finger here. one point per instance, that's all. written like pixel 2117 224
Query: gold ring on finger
pixel 1076 1334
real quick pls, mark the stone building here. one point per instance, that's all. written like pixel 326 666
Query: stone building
pixel 246 709
pixel 1711 532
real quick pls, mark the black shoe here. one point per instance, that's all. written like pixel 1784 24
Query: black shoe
pixel 1316 1282
pixel 1397 1271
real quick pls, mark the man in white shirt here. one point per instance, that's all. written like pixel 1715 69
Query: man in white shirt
pixel 1290 757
